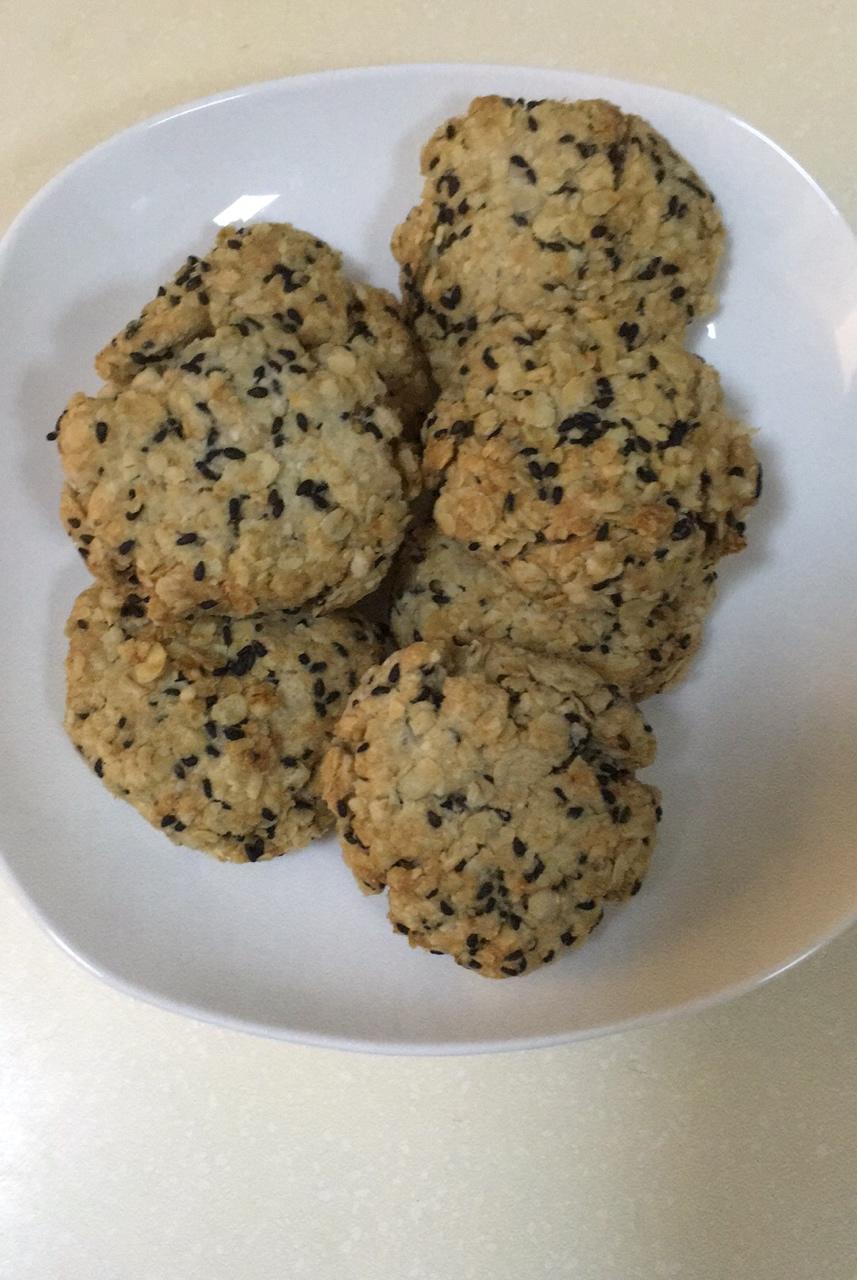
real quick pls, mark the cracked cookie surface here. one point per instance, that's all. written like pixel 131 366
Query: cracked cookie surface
pixel 445 592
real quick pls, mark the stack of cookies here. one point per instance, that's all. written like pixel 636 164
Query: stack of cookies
pixel 247 472
pixel 243 475
pixel 586 477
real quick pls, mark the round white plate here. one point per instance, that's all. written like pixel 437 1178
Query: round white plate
pixel 757 861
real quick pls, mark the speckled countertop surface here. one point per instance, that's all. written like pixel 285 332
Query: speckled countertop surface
pixel 139 1146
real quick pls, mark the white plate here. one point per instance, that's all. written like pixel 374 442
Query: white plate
pixel 756 864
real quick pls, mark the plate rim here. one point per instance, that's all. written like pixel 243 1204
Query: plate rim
pixel 408 1048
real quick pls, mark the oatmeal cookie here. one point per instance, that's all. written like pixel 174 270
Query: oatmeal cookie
pixel 246 476
pixel 621 473
pixel 491 792
pixel 213 729
pixel 563 207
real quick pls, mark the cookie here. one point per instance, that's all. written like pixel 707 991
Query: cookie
pixel 614 473
pixel 563 207
pixel 491 792
pixel 272 271
pixel 445 592
pixel 246 475
pixel 213 729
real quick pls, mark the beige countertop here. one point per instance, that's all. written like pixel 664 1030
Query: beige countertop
pixel 140 1146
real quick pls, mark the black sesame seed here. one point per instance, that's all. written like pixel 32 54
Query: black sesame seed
pixel 536 870
pixel 677 433
pixel 629 332
pixel 254 849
